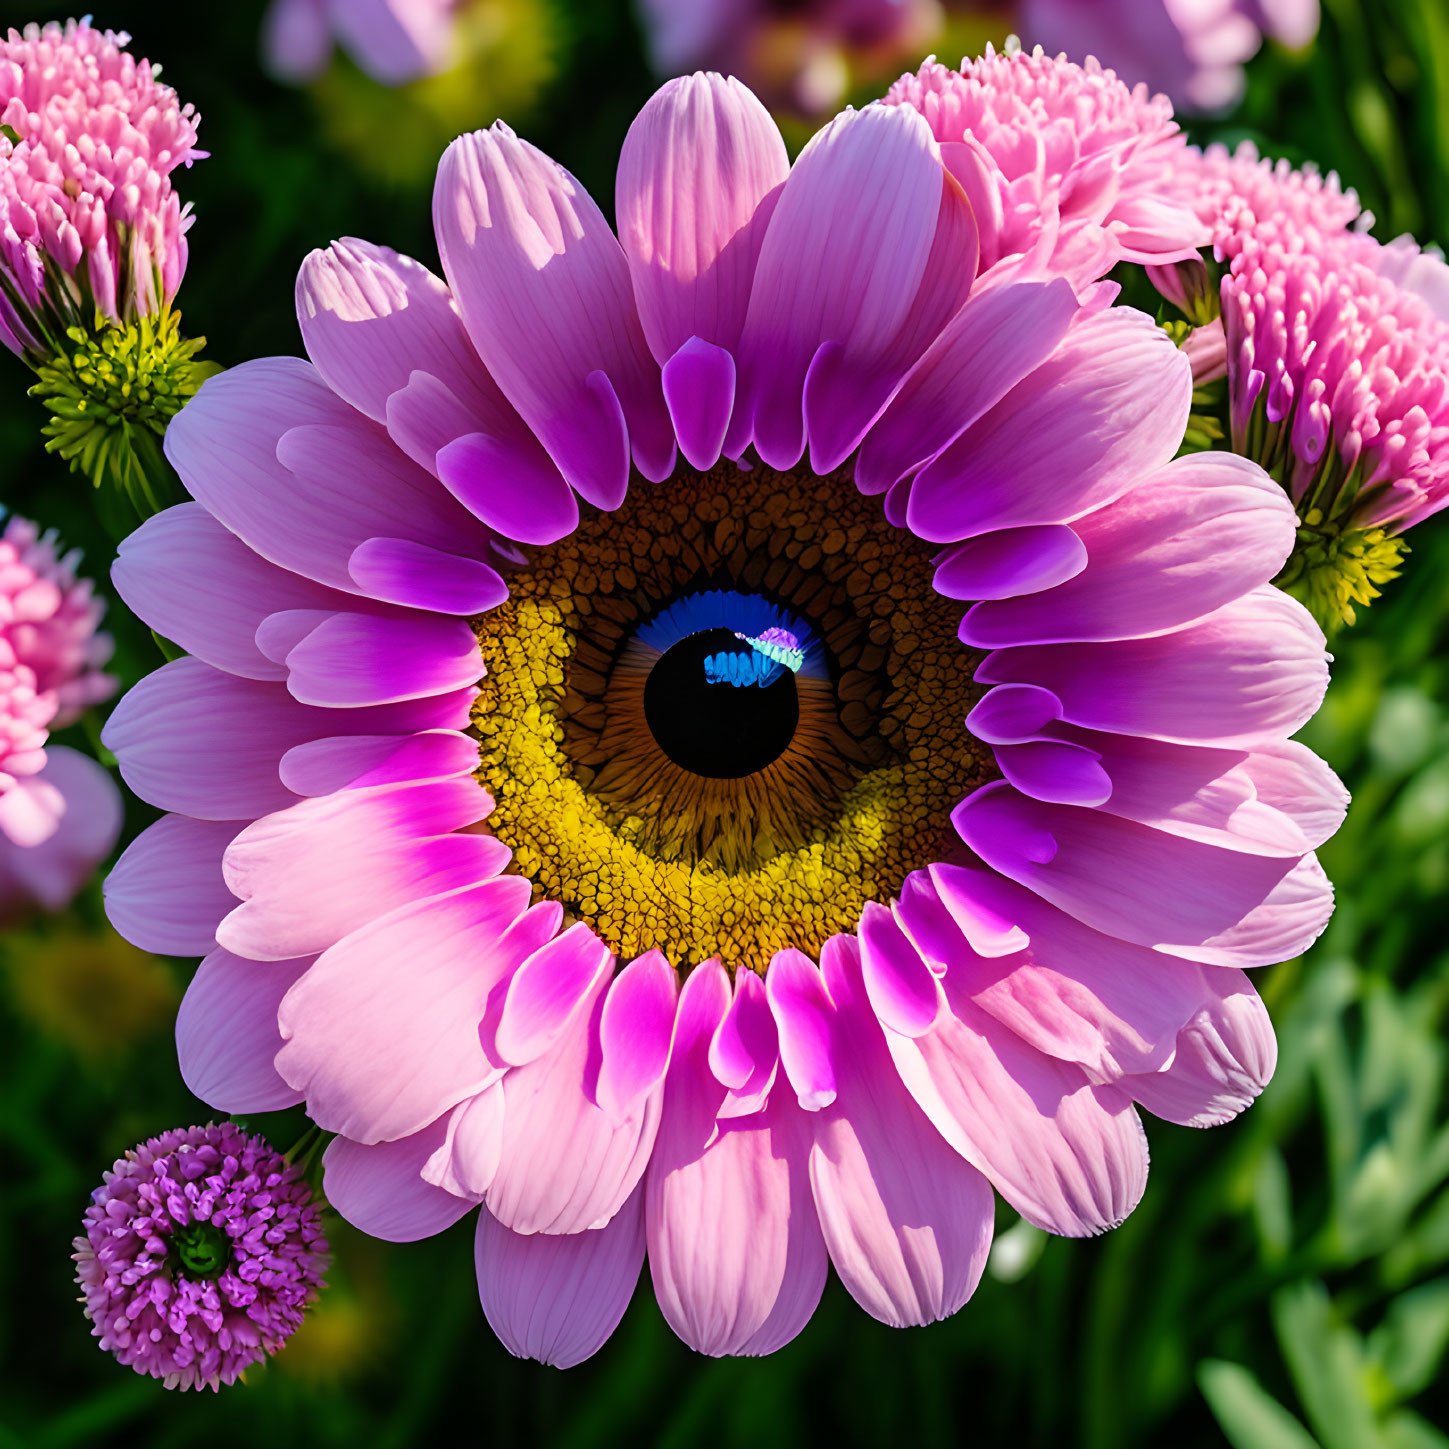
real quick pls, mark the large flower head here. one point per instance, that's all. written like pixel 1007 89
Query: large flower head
pixel 201 1252
pixel 1063 163
pixel 1193 50
pixel 88 220
pixel 60 812
pixel 571 785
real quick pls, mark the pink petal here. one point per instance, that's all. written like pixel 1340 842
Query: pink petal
pixel 566 1164
pixel 166 893
pixel 1068 1156
pixel 227 1035
pixel 544 291
pixel 1254 669
pixel 699 389
pixel 695 174
pixel 907 1220
pixel 352 659
pixel 548 989
pixel 379 1187
pixel 1225 1057
pixel 735 1249
pixel 532 506
pixel 202 588
pixel 321 766
pixel 271 452
pixel 467 1162
pixel 999 337
pixel 309 875
pixel 1108 406
pixel 401 572
pixel 1195 536
pixel 371 316
pixel 1013 562
pixel 744 1053
pixel 832 270
pixel 635 1033
pixel 1220 907
pixel 901 987
pixel 802 1010
pixel 557 1297
pixel 380 1052
pixel 178 738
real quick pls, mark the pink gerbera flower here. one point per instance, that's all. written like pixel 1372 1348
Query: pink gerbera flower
pixel 1063 163
pixel 701 929
pixel 60 812
pixel 88 219
pixel 201 1252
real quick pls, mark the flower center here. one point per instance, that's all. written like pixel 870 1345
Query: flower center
pixel 721 719
pixel 199 1250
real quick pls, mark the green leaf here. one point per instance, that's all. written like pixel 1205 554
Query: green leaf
pixel 1406 1430
pixel 1247 1413
pixel 1325 1358
pixel 1409 1344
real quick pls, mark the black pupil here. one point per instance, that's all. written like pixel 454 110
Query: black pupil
pixel 721 731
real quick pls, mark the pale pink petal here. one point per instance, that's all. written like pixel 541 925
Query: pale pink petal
pixel 472 1147
pixel 166 893
pixel 1185 541
pixel 1109 405
pixel 227 1035
pixel 906 1218
pixel 282 462
pixel 557 1297
pixel 566 1164
pixel 1068 1156
pixel 51 872
pixel 1220 907
pixel 544 291
pixel 321 766
pixel 379 1187
pixel 994 341
pixel 309 875
pixel 832 270
pixel 1255 669
pixel 695 173
pixel 735 1249
pixel 201 587
pixel 1225 1057
pixel 378 1051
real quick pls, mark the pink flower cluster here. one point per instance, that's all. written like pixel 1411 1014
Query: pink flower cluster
pixel 200 1255
pixel 1062 163
pixel 1344 361
pixel 88 218
pixel 59 811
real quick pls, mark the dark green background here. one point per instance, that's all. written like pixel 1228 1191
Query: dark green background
pixel 1308 1242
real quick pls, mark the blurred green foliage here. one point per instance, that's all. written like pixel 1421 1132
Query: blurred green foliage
pixel 1285 1282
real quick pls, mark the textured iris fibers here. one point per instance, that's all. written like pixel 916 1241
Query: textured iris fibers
pixel 836 810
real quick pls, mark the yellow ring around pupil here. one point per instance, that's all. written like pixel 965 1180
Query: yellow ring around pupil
pixel 654 856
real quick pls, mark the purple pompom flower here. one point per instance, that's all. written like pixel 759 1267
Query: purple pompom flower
pixel 201 1252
